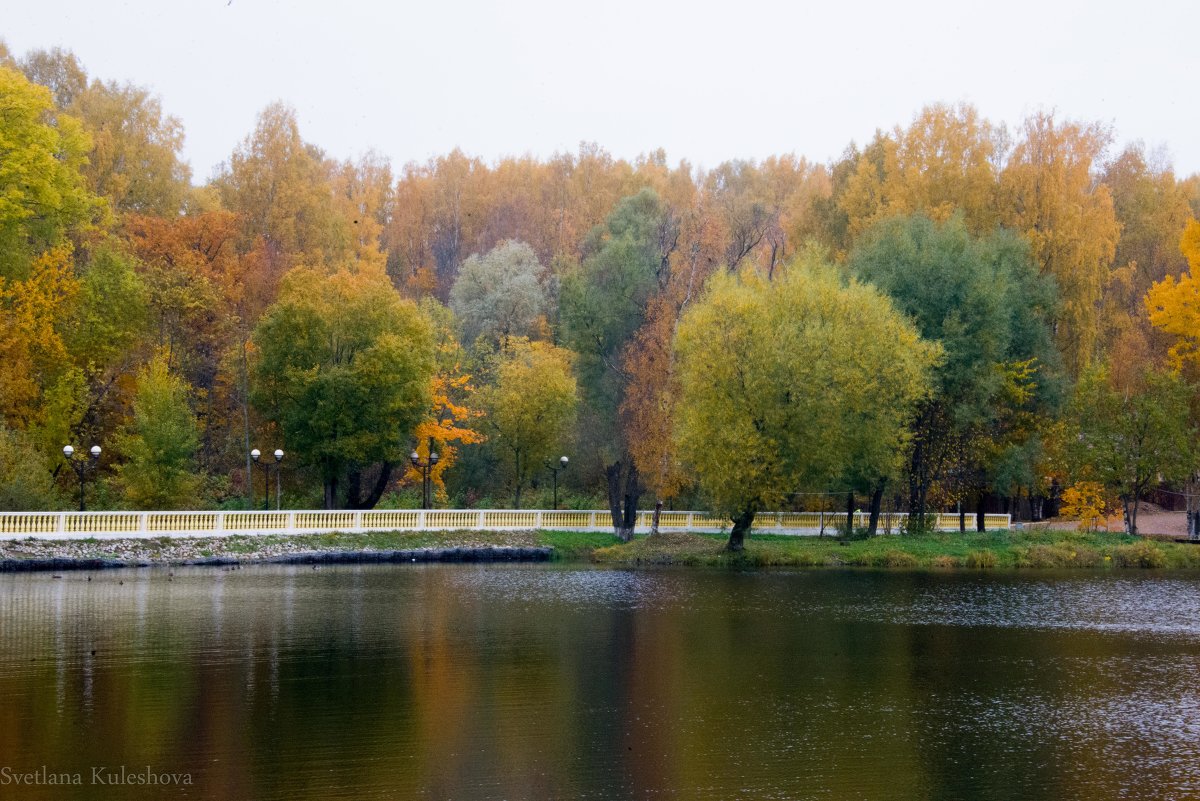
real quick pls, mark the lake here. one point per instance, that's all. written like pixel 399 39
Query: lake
pixel 562 682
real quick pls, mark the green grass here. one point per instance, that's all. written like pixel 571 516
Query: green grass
pixel 1002 549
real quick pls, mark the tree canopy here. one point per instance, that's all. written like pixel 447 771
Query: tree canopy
pixel 778 377
pixel 343 368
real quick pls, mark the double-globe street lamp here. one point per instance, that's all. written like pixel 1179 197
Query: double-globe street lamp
pixel 425 467
pixel 256 455
pixel 81 465
pixel 562 465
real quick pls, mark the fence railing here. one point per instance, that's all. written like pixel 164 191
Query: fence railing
pixel 114 525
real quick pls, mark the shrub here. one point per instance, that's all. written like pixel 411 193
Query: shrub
pixel 982 560
pixel 1040 556
pixel 1139 554
pixel 895 558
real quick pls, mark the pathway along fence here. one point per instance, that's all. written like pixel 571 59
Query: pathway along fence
pixel 115 525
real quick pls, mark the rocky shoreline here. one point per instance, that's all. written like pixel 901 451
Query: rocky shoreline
pixel 500 553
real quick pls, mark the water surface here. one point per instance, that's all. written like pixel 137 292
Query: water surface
pixel 543 682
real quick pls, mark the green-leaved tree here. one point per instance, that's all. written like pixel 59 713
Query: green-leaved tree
pixel 344 369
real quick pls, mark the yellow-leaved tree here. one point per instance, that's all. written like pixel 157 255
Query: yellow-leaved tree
pixel 1174 303
pixel 793 384
pixel 530 408
pixel 1084 501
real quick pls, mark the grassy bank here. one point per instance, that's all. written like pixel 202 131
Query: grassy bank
pixel 1005 549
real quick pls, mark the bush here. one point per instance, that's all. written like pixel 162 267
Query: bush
pixel 982 560
pixel 1042 556
pixel 895 558
pixel 26 478
pixel 1140 554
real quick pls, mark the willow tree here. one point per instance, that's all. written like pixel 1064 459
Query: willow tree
pixel 776 378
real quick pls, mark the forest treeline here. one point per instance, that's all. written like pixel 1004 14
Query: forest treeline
pixel 953 313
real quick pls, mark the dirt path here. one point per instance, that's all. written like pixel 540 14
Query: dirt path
pixel 1155 523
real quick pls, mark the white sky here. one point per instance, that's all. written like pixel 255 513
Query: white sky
pixel 706 81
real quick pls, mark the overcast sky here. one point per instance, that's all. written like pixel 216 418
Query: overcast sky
pixel 706 81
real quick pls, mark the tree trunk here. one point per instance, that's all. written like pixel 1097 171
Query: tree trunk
pixel 741 526
pixel 355 498
pixel 850 513
pixel 962 519
pixel 980 519
pixel 876 505
pixel 624 489
pixel 331 493
pixel 658 504
pixel 520 481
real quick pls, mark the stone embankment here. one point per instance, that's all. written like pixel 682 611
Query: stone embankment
pixel 35 555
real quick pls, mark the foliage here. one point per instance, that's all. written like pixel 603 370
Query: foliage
pixel 1049 196
pixel 42 190
pixel 1127 437
pixel 500 294
pixel 277 184
pixel 1174 304
pixel 135 159
pixel 944 164
pixel 1084 501
pixel 159 443
pixel 783 383
pixel 343 368
pixel 530 408
pixel 984 302
pixel 26 475
pixel 454 415
pixel 32 351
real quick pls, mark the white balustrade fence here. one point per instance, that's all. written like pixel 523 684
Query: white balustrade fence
pixel 145 525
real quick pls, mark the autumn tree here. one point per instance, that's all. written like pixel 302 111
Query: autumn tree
pixel 59 71
pixel 1050 195
pixel 777 377
pixel 1127 438
pixel 1152 210
pixel 454 415
pixel 1174 304
pixel 158 443
pixel 500 294
pixel 530 408
pixel 32 351
pixel 43 194
pixel 135 159
pixel 944 163
pixel 279 186
pixel 343 368
pixel 603 303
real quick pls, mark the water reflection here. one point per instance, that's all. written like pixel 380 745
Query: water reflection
pixel 543 682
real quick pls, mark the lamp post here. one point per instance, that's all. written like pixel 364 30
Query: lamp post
pixel 425 466
pixel 81 465
pixel 256 455
pixel 278 470
pixel 562 465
